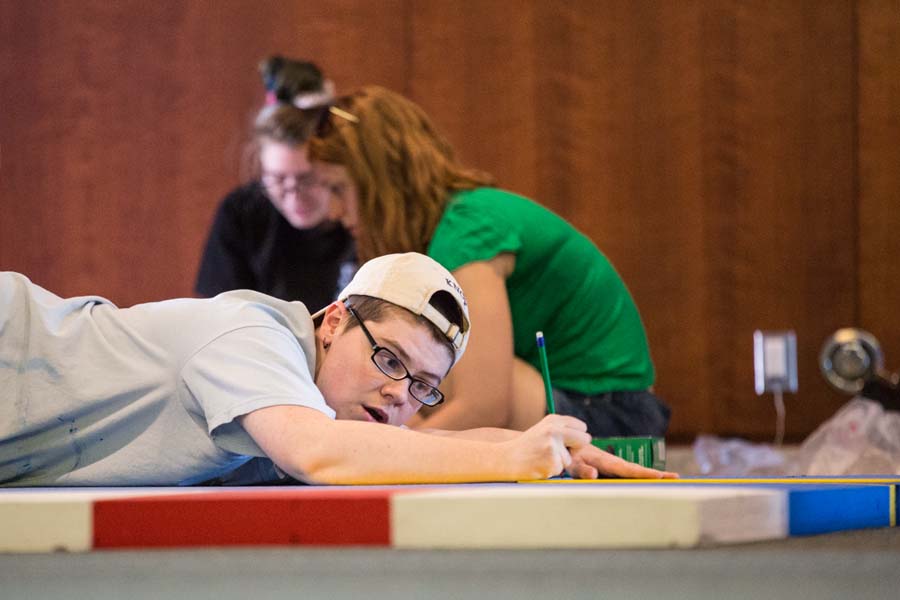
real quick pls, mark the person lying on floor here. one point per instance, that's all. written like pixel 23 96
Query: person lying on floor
pixel 181 391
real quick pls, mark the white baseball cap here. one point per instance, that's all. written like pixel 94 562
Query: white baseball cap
pixel 409 281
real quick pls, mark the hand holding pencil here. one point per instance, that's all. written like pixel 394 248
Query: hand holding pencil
pixel 587 461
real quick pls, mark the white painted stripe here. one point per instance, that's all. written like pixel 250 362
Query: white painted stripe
pixel 35 523
pixel 585 517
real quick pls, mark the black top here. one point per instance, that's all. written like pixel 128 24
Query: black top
pixel 252 246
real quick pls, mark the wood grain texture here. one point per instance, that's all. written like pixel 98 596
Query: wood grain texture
pixel 472 70
pixel 736 161
pixel 783 202
pixel 879 174
pixel 124 123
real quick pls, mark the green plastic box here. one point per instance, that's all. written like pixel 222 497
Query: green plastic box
pixel 643 450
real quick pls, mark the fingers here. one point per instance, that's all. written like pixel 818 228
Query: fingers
pixel 558 443
pixel 568 433
pixel 575 436
pixel 564 442
pixel 580 470
pixel 548 444
pixel 565 459
pixel 572 431
pixel 633 471
pixel 565 421
pixel 609 465
pixel 575 439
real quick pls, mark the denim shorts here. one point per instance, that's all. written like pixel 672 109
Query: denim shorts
pixel 616 413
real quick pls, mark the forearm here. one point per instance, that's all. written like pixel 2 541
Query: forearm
pixel 313 447
pixel 485 434
pixel 378 454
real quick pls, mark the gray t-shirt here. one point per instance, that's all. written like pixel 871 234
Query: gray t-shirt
pixel 91 394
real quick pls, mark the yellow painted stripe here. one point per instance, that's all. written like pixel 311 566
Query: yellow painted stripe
pixel 797 480
pixel 893 504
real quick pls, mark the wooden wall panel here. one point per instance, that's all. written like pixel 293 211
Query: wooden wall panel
pixel 879 174
pixel 93 146
pixel 721 167
pixel 472 71
pixel 356 42
pixel 736 161
pixel 788 261
pixel 123 125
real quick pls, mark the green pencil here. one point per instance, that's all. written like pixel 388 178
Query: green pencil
pixel 545 371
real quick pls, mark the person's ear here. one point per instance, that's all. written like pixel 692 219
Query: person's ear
pixel 331 322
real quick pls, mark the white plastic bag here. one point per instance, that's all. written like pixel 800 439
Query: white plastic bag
pixel 860 439
pixel 734 457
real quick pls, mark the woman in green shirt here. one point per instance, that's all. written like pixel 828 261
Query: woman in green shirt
pixel 398 188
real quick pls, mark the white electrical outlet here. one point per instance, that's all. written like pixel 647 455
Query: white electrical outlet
pixel 775 361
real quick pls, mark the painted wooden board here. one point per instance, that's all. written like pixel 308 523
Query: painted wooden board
pixel 598 514
pixel 588 517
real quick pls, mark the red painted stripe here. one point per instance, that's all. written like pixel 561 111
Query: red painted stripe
pixel 308 517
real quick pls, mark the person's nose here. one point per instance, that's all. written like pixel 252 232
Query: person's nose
pixel 396 392
pixel 312 190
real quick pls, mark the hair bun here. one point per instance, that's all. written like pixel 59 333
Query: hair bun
pixel 285 78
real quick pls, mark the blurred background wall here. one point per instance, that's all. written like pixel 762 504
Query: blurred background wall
pixel 738 161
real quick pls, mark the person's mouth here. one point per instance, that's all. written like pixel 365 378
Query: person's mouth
pixel 302 210
pixel 376 414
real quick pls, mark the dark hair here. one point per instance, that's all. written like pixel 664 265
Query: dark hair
pixel 285 77
pixel 282 123
pixel 376 309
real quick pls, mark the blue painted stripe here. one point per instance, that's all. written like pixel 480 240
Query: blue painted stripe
pixel 814 509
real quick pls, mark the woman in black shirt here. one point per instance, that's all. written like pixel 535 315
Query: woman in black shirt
pixel 274 234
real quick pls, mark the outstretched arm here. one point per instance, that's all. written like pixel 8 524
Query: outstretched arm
pixel 310 446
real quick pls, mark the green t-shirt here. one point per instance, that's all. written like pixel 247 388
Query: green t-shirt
pixel 562 285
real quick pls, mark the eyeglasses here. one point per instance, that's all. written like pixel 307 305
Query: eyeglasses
pixel 388 363
pixel 280 184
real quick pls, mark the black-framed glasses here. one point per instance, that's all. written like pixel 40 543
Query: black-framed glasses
pixel 388 363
